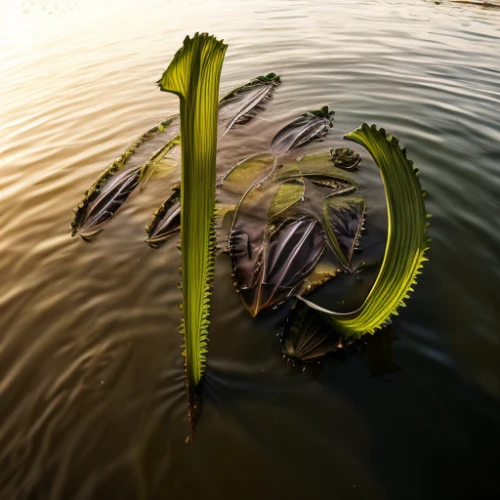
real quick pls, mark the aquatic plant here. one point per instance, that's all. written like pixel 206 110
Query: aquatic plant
pixel 194 75
pixel 295 220
pixel 406 241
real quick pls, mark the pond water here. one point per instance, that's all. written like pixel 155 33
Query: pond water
pixel 92 396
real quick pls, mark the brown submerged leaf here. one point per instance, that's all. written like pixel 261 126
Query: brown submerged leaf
pixel 243 103
pixel 307 336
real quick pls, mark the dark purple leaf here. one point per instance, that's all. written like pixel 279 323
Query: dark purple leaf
pixel 267 271
pixel 243 103
pixel 346 220
pixel 166 221
pixel 101 209
pixel 310 126
pixel 114 186
pixel 307 336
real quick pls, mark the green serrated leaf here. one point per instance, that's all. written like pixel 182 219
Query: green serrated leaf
pixel 194 75
pixel 406 241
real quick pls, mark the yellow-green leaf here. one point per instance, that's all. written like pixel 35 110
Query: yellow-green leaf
pixel 194 75
pixel 406 240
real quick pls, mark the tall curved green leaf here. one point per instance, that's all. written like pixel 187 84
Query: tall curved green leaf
pixel 194 76
pixel 406 240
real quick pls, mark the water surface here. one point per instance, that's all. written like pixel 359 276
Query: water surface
pixel 92 400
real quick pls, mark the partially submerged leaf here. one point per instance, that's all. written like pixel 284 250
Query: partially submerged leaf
pixel 406 241
pixel 324 194
pixel 103 207
pixel 281 207
pixel 149 152
pixel 247 172
pixel 286 256
pixel 315 165
pixel 288 194
pixel 166 221
pixel 118 181
pixel 311 126
pixel 344 221
pixel 244 102
pixel 159 162
pixel 345 158
pixel 194 75
pixel 250 231
pixel 307 336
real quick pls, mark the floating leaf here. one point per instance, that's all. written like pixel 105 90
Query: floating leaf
pixel 236 108
pixel 294 248
pixel 149 152
pixel 166 221
pixel 194 75
pixel 244 102
pixel 324 271
pixel 345 158
pixel 247 172
pixel 344 220
pixel 119 180
pixel 314 166
pixel 307 336
pixel 406 242
pixel 102 208
pixel 288 194
pixel 286 257
pixel 309 127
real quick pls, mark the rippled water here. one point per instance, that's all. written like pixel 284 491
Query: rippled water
pixel 92 401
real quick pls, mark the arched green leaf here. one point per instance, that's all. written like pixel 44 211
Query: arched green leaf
pixel 406 240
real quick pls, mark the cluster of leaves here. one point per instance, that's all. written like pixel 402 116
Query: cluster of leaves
pixel 296 221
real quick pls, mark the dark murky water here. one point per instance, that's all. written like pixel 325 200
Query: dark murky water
pixel 92 401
